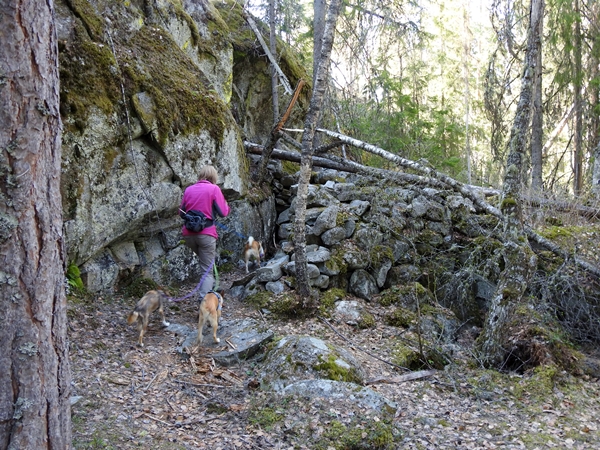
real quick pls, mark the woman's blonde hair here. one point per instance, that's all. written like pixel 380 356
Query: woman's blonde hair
pixel 208 173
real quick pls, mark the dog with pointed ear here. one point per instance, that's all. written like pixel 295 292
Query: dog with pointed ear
pixel 149 303
pixel 253 250
pixel 210 309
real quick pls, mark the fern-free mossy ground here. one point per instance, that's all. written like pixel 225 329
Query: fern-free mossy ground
pixel 129 397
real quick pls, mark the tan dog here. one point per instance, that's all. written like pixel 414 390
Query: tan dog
pixel 210 308
pixel 149 303
pixel 253 249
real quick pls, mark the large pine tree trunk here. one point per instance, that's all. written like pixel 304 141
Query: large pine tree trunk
pixel 310 127
pixel 34 360
pixel 505 338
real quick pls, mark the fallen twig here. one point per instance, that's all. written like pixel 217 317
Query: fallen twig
pixel 200 384
pixel 151 381
pixel 158 420
pixel 232 346
pixel 402 378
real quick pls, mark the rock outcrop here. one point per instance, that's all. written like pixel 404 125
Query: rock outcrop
pixel 150 92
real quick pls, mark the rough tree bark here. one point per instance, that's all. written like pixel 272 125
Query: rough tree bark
pixel 35 374
pixel 506 340
pixel 310 126
pixel 537 122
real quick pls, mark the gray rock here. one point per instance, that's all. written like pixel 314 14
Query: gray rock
pixel 363 285
pixel 348 311
pixel 276 287
pixel 247 336
pixel 320 254
pixel 313 271
pixel 358 207
pixel 368 237
pixel 350 392
pixel 322 281
pixel 326 219
pixel 349 227
pixel 100 274
pixel 380 272
pixel 334 236
pixel 296 358
pixel 272 271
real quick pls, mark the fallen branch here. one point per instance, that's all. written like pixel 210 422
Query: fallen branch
pixel 295 157
pixel 276 133
pixel 462 188
pixel 402 378
pixel 282 77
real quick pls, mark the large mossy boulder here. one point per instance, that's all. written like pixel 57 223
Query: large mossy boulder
pixel 296 358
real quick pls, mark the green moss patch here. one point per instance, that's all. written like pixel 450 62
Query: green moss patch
pixel 406 295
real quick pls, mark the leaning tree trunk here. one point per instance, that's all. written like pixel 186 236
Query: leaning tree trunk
pixel 506 340
pixel 273 47
pixel 35 375
pixel 310 126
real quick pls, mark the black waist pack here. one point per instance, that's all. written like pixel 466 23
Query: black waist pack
pixel 195 221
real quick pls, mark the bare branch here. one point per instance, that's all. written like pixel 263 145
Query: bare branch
pixel 282 77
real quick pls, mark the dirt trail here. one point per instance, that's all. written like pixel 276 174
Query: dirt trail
pixel 129 397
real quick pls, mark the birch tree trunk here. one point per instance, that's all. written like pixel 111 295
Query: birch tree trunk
pixel 35 378
pixel 502 342
pixel 310 126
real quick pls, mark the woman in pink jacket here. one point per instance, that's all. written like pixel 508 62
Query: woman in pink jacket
pixel 204 196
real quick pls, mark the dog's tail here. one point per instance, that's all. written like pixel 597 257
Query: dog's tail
pixel 132 317
pixel 250 240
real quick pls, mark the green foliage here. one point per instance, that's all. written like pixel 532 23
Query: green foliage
pixel 393 120
pixel 328 299
pixel 74 277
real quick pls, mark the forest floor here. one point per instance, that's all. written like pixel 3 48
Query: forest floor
pixel 127 397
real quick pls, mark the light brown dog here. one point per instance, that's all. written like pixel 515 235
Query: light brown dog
pixel 149 303
pixel 253 250
pixel 210 308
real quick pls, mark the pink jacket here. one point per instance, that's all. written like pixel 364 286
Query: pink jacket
pixel 208 198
